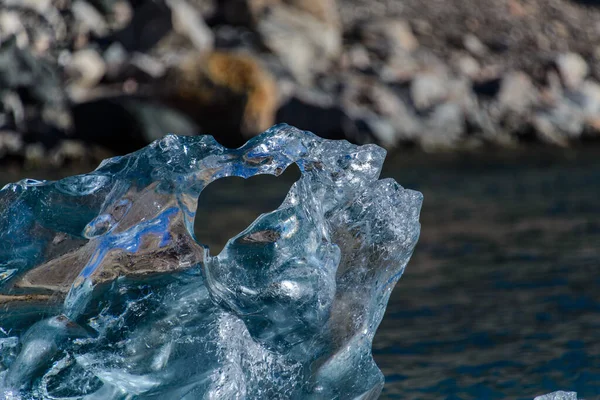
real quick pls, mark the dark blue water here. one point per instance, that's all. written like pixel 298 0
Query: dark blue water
pixel 502 297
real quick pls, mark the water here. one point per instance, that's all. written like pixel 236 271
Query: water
pixel 501 299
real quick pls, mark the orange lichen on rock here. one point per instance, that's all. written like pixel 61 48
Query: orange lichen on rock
pixel 226 80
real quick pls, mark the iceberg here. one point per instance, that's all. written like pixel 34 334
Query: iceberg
pixel 105 293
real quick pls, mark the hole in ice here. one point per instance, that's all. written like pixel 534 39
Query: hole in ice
pixel 229 205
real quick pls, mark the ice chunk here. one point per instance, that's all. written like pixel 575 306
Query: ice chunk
pixel 106 294
pixel 560 395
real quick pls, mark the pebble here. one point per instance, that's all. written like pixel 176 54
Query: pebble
pixel 467 66
pixel 473 45
pixel 573 69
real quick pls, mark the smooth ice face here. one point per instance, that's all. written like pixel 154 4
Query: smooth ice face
pixel 105 293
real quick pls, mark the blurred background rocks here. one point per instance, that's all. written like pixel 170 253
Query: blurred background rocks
pixel 83 79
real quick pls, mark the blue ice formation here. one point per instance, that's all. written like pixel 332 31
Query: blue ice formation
pixel 559 395
pixel 106 294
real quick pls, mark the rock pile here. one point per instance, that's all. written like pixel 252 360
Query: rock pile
pixel 78 74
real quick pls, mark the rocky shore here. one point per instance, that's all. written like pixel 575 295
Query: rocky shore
pixel 83 79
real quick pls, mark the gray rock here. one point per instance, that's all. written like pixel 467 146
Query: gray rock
pixel 316 111
pixel 39 6
pixel 444 128
pixel 391 44
pixel 383 131
pixel 189 22
pixel 590 98
pixel 68 150
pixel 388 118
pixel 401 66
pixel 122 12
pixel 560 124
pixel 10 24
pixel 237 37
pixel 407 126
pixel 115 57
pixel 148 64
pixel 460 91
pixel 35 155
pixel 401 35
pixel 573 69
pixel 12 108
pixel 156 120
pixel 86 68
pixel 89 18
pixel 422 27
pixel 303 43
pixel 466 65
pixel 10 143
pixel 389 35
pixel 39 82
pixel 486 127
pixel 31 13
pixel 517 93
pixel 474 46
pixel 358 57
pixel 428 89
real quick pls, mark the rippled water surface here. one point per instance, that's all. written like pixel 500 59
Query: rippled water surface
pixel 502 297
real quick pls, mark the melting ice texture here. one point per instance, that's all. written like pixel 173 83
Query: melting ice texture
pixel 106 294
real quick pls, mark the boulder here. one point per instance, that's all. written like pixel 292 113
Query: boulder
pixel 227 93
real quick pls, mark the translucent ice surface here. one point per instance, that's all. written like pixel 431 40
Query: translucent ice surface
pixel 560 395
pixel 106 294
